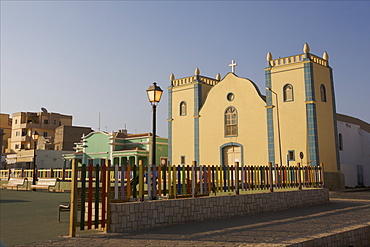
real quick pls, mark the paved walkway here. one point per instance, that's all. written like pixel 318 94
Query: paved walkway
pixel 346 210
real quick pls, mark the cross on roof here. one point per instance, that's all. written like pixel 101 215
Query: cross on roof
pixel 232 65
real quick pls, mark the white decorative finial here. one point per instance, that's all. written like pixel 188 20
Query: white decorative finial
pixel 197 71
pixel 306 48
pixel 218 77
pixel 269 56
pixel 325 56
pixel 172 77
pixel 232 65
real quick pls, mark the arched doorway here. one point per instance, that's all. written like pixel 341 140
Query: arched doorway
pixel 231 153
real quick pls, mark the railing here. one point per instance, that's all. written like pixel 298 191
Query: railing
pixel 298 58
pixel 61 174
pixel 136 181
pixel 173 181
pixel 94 186
pixel 187 80
pixel 287 60
pixel 189 180
pixel 90 194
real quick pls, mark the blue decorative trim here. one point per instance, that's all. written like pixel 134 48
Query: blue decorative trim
pixel 270 120
pixel 232 144
pixel 313 148
pixel 313 145
pixel 309 82
pixel 197 106
pixel 335 118
pixel 170 126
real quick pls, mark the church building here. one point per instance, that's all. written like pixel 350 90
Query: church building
pixel 223 121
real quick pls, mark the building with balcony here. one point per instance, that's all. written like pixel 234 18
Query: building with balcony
pixel 5 133
pixel 24 124
pixel 56 137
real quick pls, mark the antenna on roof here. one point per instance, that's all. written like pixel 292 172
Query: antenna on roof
pixel 99 122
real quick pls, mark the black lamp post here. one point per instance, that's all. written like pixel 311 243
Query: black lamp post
pixel 35 137
pixel 278 123
pixel 154 95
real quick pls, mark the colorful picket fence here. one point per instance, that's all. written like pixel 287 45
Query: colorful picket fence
pixel 90 193
pixel 174 181
pixel 95 186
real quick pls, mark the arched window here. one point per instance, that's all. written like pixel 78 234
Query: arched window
pixel 288 92
pixel 323 93
pixel 340 141
pixel 183 108
pixel 231 121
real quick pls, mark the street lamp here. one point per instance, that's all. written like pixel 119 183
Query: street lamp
pixel 154 95
pixel 278 123
pixel 35 137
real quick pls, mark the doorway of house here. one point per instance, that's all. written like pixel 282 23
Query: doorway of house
pixel 231 154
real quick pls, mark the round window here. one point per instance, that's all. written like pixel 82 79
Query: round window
pixel 230 96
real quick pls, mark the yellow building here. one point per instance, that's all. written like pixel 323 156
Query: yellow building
pixel 5 131
pixel 219 122
pixel 24 124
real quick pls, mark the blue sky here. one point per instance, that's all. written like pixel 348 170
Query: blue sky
pixel 84 57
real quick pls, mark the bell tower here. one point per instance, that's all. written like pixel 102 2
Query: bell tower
pixel 301 112
pixel 185 99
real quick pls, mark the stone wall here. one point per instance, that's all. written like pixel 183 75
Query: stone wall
pixel 127 217
pixel 359 236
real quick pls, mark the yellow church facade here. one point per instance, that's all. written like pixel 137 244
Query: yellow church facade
pixel 223 121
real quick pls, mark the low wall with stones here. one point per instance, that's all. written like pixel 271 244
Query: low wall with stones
pixel 358 236
pixel 127 217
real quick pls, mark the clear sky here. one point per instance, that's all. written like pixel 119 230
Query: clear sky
pixel 84 57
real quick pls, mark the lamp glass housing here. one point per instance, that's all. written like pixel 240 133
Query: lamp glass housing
pixel 35 136
pixel 154 93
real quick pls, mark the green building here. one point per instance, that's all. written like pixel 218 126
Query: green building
pixel 119 147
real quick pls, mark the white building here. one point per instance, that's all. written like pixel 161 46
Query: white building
pixel 354 150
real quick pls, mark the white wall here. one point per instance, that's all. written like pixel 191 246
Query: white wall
pixel 50 158
pixel 355 152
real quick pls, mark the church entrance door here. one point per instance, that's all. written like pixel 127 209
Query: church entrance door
pixel 231 154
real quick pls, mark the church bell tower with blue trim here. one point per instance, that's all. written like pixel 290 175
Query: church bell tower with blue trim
pixel 301 118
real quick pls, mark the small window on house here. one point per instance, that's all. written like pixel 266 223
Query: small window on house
pixel 183 108
pixel 18 133
pixel 288 92
pixel 291 156
pixel 340 141
pixel 45 134
pixel 16 146
pixel 16 121
pixel 60 123
pixel 182 160
pixel 230 96
pixel 55 121
pixel 231 122
pixel 323 93
pixel 46 121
